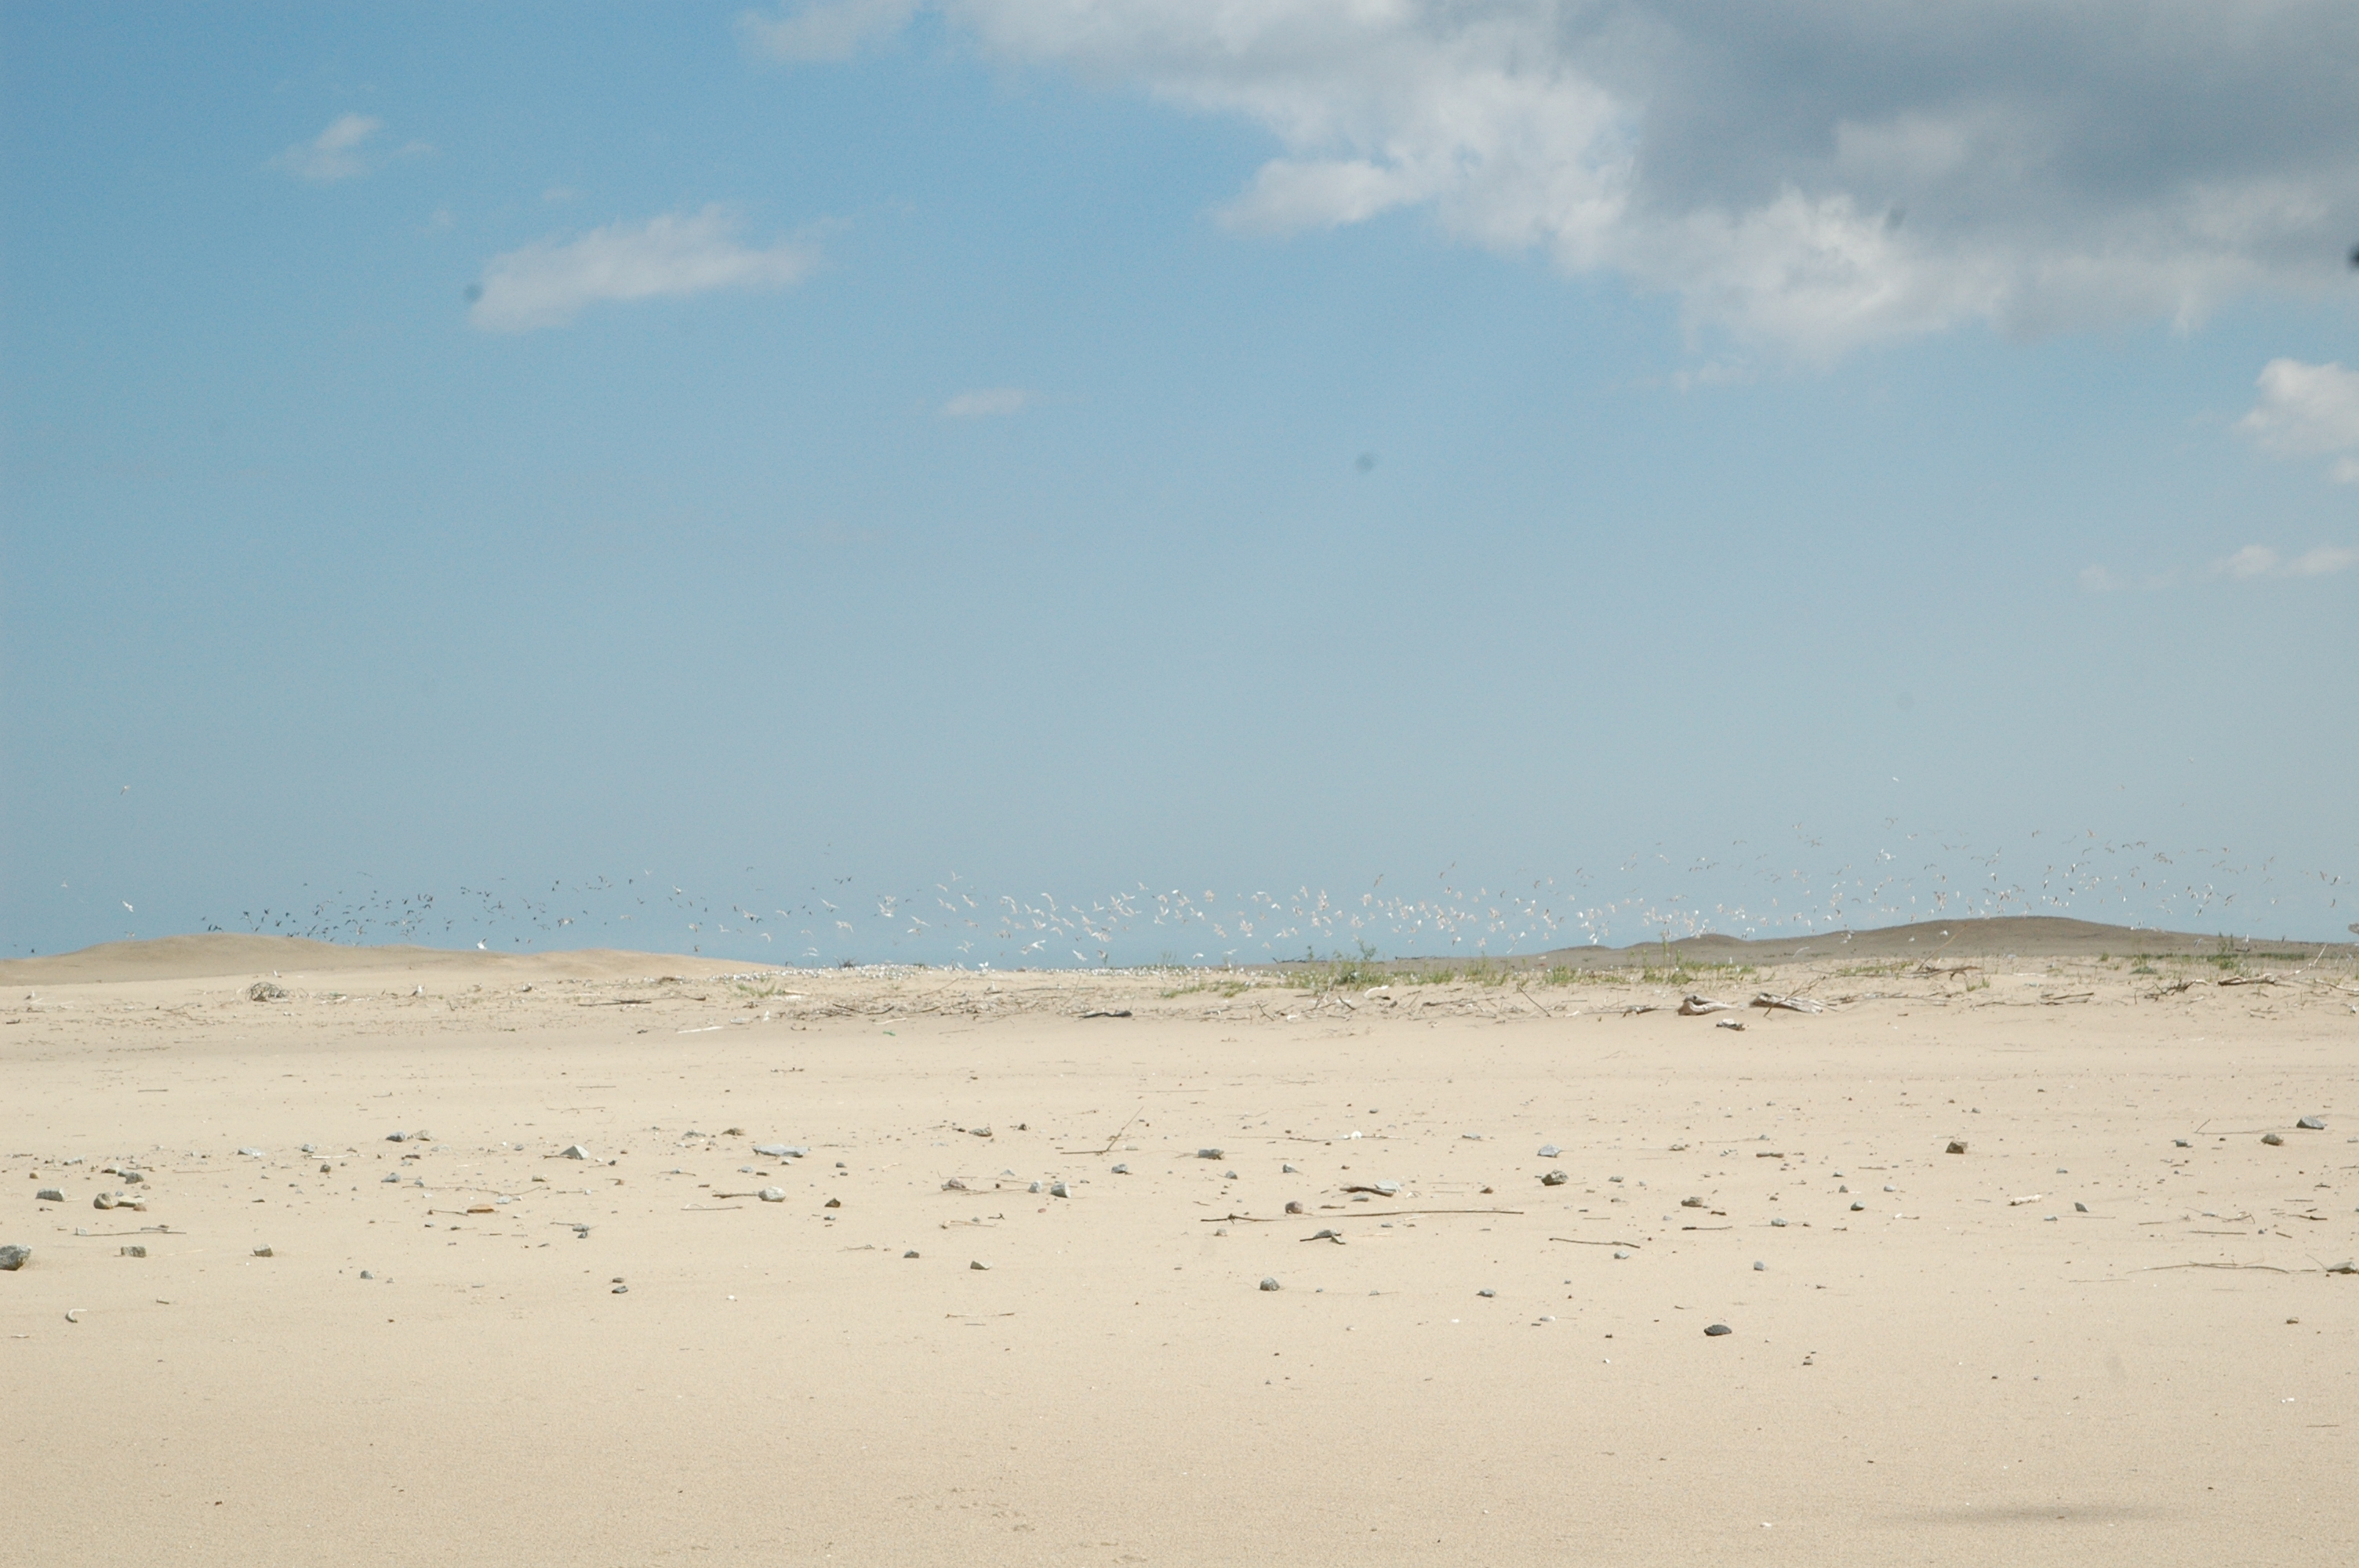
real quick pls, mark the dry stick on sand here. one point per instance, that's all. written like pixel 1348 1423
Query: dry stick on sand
pixel 1577 1241
pixel 1115 1139
pixel 1371 1214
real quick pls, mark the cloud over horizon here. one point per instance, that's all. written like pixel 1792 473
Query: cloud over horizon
pixel 2308 410
pixel 547 282
pixel 1817 176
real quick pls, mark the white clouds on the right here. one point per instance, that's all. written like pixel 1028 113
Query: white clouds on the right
pixel 2262 561
pixel 988 403
pixel 829 29
pixel 2308 410
pixel 547 282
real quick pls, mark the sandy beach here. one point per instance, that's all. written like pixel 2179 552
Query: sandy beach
pixel 1009 1302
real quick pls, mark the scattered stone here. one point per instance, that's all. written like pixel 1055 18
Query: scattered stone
pixel 1890 1188
pixel 1335 1236
pixel 253 1153
pixel 1691 1202
pixel 832 1202
pixel 1125 1170
pixel 1284 1170
pixel 1550 1151
pixel 1621 1254
pixel 1759 1267
pixel 368 1273
pixel 1678 1147
pixel 49 1194
pixel 1270 1283
pixel 980 1267
pixel 396 1137
pixel 1059 1190
pixel 393 1175
pixel 1717 1329
pixel 909 1254
pixel 262 1252
pixel 1778 1224
pixel 1035 1187
pixel 103 1200
pixel 574 1151
pixel 2080 1209
pixel 1957 1146
pixel 622 1290
pixel 978 1132
pixel 1208 1154
pixel 1554 1179
pixel 2181 1143
pixel 1858 1207
pixel 1295 1207
pixel 2311 1124
pixel 2272 1138
pixel 1228 1175
pixel 133 1176
pixel 134 1250
pixel 953 1185
pixel 1486 1291
pixel 782 1151
pixel 1471 1137
pixel 2346 1267
pixel 772 1194
pixel 263 991
pixel 12 1258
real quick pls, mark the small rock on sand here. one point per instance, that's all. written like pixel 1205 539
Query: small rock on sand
pixel 12 1258
pixel 1284 1170
pixel 1550 1151
pixel 953 1185
pixel 262 1252
pixel 980 1267
pixel 1717 1329
pixel 1292 1207
pixel 772 1194
pixel 263 991
pixel 1058 1190
pixel 574 1151
pixel 1208 1153
pixel 49 1194
pixel 1122 1170
pixel 1270 1283
pixel 134 1250
pixel 909 1254
pixel 1486 1291
pixel 2272 1138
pixel 2311 1124
pixel 1957 1146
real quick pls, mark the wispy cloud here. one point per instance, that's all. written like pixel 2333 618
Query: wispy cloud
pixel 2308 411
pixel 823 29
pixel 334 153
pixel 2261 561
pixel 986 402
pixel 546 283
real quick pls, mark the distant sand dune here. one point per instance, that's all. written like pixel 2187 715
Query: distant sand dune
pixel 228 953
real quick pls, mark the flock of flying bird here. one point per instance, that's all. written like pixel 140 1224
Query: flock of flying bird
pixel 1646 896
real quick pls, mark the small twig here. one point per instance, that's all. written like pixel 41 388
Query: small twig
pixel 1577 1241
pixel 1365 1214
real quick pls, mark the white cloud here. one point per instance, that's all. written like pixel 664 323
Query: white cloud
pixel 546 283
pixel 334 153
pixel 824 29
pixel 2261 561
pixel 986 402
pixel 1813 173
pixel 2308 410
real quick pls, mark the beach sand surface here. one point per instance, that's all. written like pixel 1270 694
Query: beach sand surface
pixel 2108 1332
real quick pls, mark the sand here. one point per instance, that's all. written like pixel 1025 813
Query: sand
pixel 1969 1368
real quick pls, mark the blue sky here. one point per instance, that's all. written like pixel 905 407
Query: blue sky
pixel 1518 474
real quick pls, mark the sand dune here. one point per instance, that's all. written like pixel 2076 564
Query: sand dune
pixel 2106 1333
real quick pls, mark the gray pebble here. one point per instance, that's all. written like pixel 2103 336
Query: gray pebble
pixel 1486 1291
pixel 1288 1170
pixel 1890 1188
pixel 393 1175
pixel 2272 1138
pixel 1270 1283
pixel 912 1253
pixel 574 1151
pixel 396 1137
pixel 1059 1190
pixel 368 1274
pixel 953 1185
pixel 1857 1208
pixel 49 1194
pixel 1621 1254
pixel 1778 1224
pixel 12 1258
pixel 2080 1209
pixel 2181 1143
pixel 134 1250
pixel 622 1290
pixel 1228 1175
pixel 1554 1179
pixel 103 1200
pixel 1035 1187
pixel 772 1194
pixel 1717 1329
pixel 1550 1151
pixel 980 1267
pixel 133 1176
pixel 1759 1267
pixel 1208 1153
pixel 2311 1124
pixel 1122 1170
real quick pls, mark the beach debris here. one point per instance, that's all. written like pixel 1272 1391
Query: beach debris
pixel 249 1154
pixel 397 1136
pixel 574 1151
pixel 73 1314
pixel 1035 1187
pixel 1381 1189
pixel 621 1290
pixel 393 1175
pixel 1059 1190
pixel 1618 1253
pixel 368 1273
pixel 772 1194
pixel 1693 1006
pixel 1691 1202
pixel 1771 1003
pixel 1716 1329
pixel 2181 1143
pixel 1550 1151
pixel 1295 1206
pixel 2011 1203
pixel 2080 1209
pixel 1957 1146
pixel 2272 1138
pixel 954 1185
pixel 1335 1236
pixel 1208 1154
pixel 1760 1267
pixel 978 1132
pixel 12 1258
pixel 1486 1291
pixel 1778 1224
pixel 134 1250
pixel 785 1150
pixel 1269 1281
pixel 2346 1267
pixel 911 1253
pixel 1125 1170
pixel 49 1194
pixel 1730 1024
pixel 2311 1124
pixel 1283 1170
pixel 1553 1178
pixel 263 1252
pixel 1681 1148
pixel 980 1267
pixel 1107 1013
pixel 263 991
pixel 1857 1208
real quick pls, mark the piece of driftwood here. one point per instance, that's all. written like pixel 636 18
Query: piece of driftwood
pixel 1371 1214
pixel 1770 1003
pixel 1693 1006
